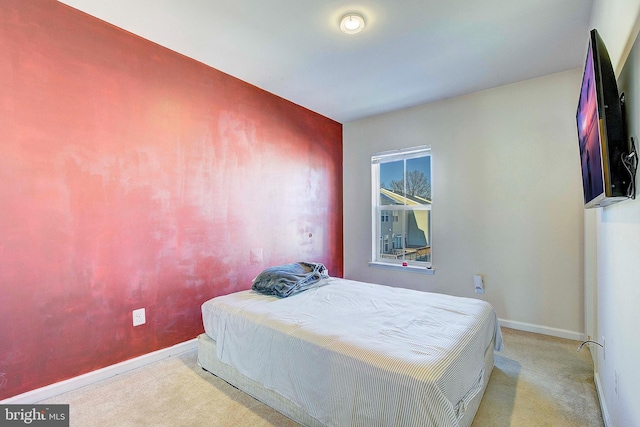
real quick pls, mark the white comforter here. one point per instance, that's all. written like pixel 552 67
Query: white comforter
pixel 353 353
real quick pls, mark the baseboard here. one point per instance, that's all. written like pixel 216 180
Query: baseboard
pixel 603 402
pixel 544 330
pixel 74 383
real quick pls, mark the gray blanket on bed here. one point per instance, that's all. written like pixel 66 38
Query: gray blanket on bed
pixel 288 279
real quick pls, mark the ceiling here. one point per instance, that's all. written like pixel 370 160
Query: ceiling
pixel 410 53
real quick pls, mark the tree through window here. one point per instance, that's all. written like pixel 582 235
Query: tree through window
pixel 402 206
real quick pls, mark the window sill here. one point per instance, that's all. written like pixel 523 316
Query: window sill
pixel 409 268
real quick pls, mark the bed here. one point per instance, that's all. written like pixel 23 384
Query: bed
pixel 348 353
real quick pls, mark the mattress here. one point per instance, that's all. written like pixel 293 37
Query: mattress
pixel 353 353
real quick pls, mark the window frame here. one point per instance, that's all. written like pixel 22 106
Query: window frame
pixel 378 211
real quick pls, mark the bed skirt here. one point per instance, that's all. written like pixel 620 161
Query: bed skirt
pixel 208 360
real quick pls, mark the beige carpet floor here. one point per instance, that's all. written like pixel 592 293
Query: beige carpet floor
pixel 537 381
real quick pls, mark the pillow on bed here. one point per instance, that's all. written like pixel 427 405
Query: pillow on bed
pixel 289 279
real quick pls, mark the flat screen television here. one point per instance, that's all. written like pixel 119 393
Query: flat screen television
pixel 601 131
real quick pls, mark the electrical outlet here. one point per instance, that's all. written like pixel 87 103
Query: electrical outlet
pixel 478 284
pixel 604 349
pixel 139 317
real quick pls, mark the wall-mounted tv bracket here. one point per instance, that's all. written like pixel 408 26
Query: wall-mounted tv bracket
pixel 630 159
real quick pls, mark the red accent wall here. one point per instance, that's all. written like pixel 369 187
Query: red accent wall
pixel 132 176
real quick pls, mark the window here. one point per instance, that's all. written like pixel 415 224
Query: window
pixel 401 207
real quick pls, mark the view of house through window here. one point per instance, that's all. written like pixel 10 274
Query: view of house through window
pixel 402 206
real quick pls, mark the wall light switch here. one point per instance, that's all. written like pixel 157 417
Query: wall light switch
pixel 255 256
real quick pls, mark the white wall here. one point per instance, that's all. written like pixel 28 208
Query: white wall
pixel 617 239
pixel 617 23
pixel 507 199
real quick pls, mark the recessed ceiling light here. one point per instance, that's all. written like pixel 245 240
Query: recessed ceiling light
pixel 352 23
